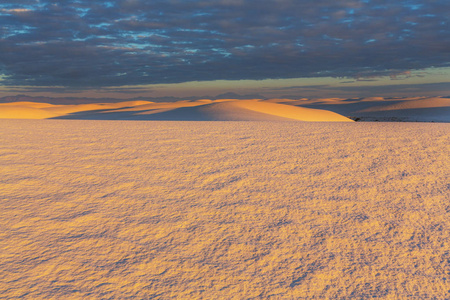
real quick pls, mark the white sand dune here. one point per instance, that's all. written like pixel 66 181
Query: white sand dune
pixel 291 112
pixel 202 110
pixel 414 109
pixel 245 110
pixel 435 109
pixel 22 111
pixel 62 110
pixel 212 111
pixel 413 104
pixel 224 210
pixel 427 109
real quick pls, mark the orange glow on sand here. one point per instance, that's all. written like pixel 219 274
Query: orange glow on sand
pixel 223 210
pixel 222 110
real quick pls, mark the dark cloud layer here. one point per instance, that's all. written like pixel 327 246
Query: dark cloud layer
pixel 81 43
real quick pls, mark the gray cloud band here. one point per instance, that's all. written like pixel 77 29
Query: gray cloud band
pixel 112 43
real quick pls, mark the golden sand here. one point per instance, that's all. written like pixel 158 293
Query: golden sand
pixel 224 210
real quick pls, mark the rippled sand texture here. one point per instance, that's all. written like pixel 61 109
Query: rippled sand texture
pixel 224 210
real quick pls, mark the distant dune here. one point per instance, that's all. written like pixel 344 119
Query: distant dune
pixel 23 112
pixel 201 110
pixel 414 109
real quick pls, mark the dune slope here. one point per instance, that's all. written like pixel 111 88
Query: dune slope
pixel 21 111
pixel 414 109
pixel 292 112
pixel 427 109
pixel 203 110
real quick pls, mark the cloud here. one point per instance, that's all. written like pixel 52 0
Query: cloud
pixel 126 42
pixel 125 90
pixel 14 10
pixel 301 87
pixel 439 88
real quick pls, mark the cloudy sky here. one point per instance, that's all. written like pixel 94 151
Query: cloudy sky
pixel 132 48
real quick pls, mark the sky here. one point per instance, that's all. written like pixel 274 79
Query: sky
pixel 272 48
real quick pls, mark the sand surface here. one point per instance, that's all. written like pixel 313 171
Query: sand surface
pixel 224 210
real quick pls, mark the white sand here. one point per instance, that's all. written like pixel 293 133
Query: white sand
pixel 413 109
pixel 224 210
pixel 203 110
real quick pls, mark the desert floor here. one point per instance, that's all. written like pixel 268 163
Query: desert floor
pixel 226 210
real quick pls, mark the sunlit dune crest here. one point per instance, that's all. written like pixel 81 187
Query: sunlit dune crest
pixel 373 99
pixel 61 110
pixel 163 105
pixel 415 109
pixel 135 103
pixel 291 112
pixel 201 110
pixel 125 104
pixel 24 112
pixel 216 111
